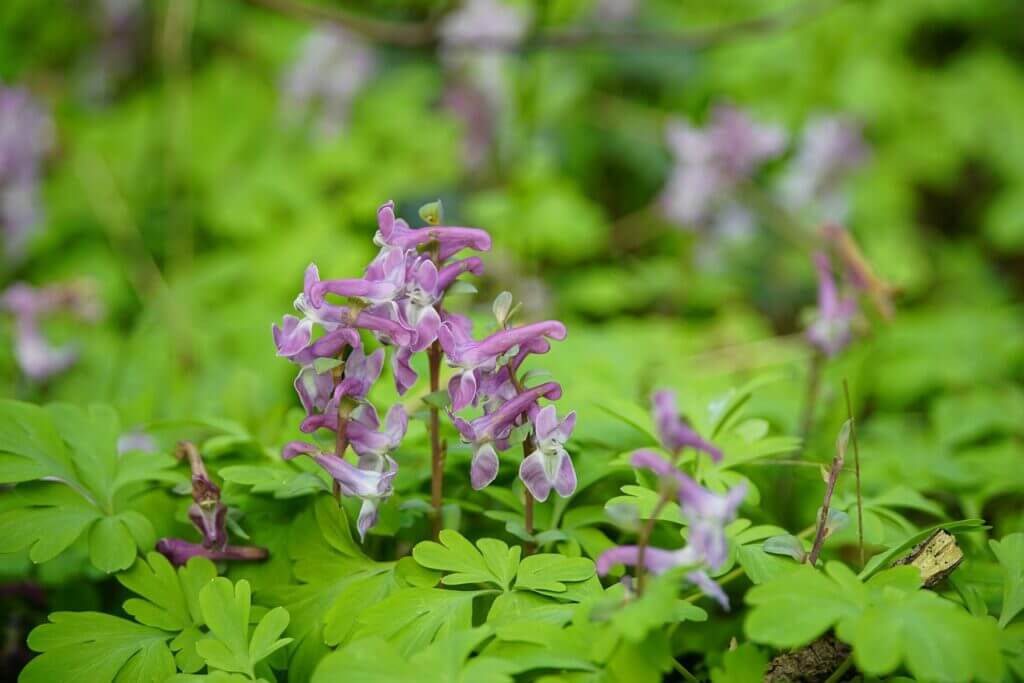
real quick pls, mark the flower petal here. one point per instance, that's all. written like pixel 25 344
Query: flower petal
pixel 484 467
pixel 535 477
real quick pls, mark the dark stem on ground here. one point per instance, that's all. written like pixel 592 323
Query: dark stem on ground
pixel 436 452
pixel 816 364
pixel 644 540
pixel 830 487
pixel 856 470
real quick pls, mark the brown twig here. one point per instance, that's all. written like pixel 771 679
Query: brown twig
pixel 425 33
pixel 856 469
pixel 830 486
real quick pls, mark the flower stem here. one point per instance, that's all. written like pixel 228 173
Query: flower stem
pixel 684 672
pixel 830 486
pixel 529 547
pixel 856 466
pixel 838 674
pixel 436 452
pixel 816 364
pixel 644 540
pixel 341 436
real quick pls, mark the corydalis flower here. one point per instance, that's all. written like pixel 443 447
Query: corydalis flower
pixel 36 356
pixel 371 483
pixel 831 147
pixel 549 466
pixel 26 136
pixel 711 162
pixel 467 354
pixel 489 432
pixel 332 67
pixel 832 328
pixel 208 515
pixel 657 561
pixel 395 232
pixel 675 434
pixel 484 24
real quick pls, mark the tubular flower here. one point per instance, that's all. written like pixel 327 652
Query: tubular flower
pixel 675 434
pixel 658 561
pixel 371 484
pixel 209 516
pixel 830 149
pixel 832 329
pixel 549 466
pixel 395 232
pixel 491 430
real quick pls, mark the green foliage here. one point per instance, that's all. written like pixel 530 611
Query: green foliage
pixel 1010 553
pixel 88 488
pixel 888 621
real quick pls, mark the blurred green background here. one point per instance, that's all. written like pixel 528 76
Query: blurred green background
pixel 192 176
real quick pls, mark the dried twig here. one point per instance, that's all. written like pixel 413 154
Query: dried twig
pixel 830 487
pixel 413 34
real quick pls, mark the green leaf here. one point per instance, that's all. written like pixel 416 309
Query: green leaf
pixel 90 647
pixel 412 618
pixel 75 451
pixel 744 664
pixel 550 572
pixel 490 561
pixel 226 611
pixel 1010 553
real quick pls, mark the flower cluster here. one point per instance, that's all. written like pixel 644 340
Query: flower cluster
pixel 209 516
pixel 332 67
pixel 399 301
pixel 38 359
pixel 26 136
pixel 706 513
pixel 832 327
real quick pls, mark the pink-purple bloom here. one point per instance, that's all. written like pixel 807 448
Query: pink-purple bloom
pixel 710 163
pixel 832 328
pixel 549 466
pixel 26 136
pixel 208 515
pixel 39 359
pixel 831 147
pixel 674 432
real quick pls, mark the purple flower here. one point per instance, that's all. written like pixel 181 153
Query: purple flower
pixel 208 515
pixel 832 328
pixel 136 441
pixel 372 445
pixel 36 357
pixel 332 67
pixel 371 485
pixel 395 232
pixel 549 466
pixel 401 368
pixel 831 147
pixel 26 136
pixel 361 371
pixel 179 552
pixel 462 351
pixel 658 561
pixel 712 162
pixel 674 433
pixel 484 24
pixel 492 429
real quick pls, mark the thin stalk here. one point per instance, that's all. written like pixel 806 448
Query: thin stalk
pixel 684 672
pixel 529 548
pixel 644 540
pixel 856 469
pixel 436 452
pixel 817 362
pixel 838 674
pixel 830 487
pixel 341 436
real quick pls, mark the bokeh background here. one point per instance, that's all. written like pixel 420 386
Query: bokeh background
pixel 175 165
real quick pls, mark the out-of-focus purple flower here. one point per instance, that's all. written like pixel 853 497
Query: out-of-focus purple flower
pixel 36 356
pixel 675 434
pixel 549 466
pixel 473 110
pixel 711 162
pixel 830 148
pixel 395 232
pixel 484 24
pixel 371 485
pixel 136 441
pixel 832 328
pixel 26 136
pixel 489 432
pixel 616 11
pixel 208 515
pixel 120 24
pixel 658 561
pixel 332 66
